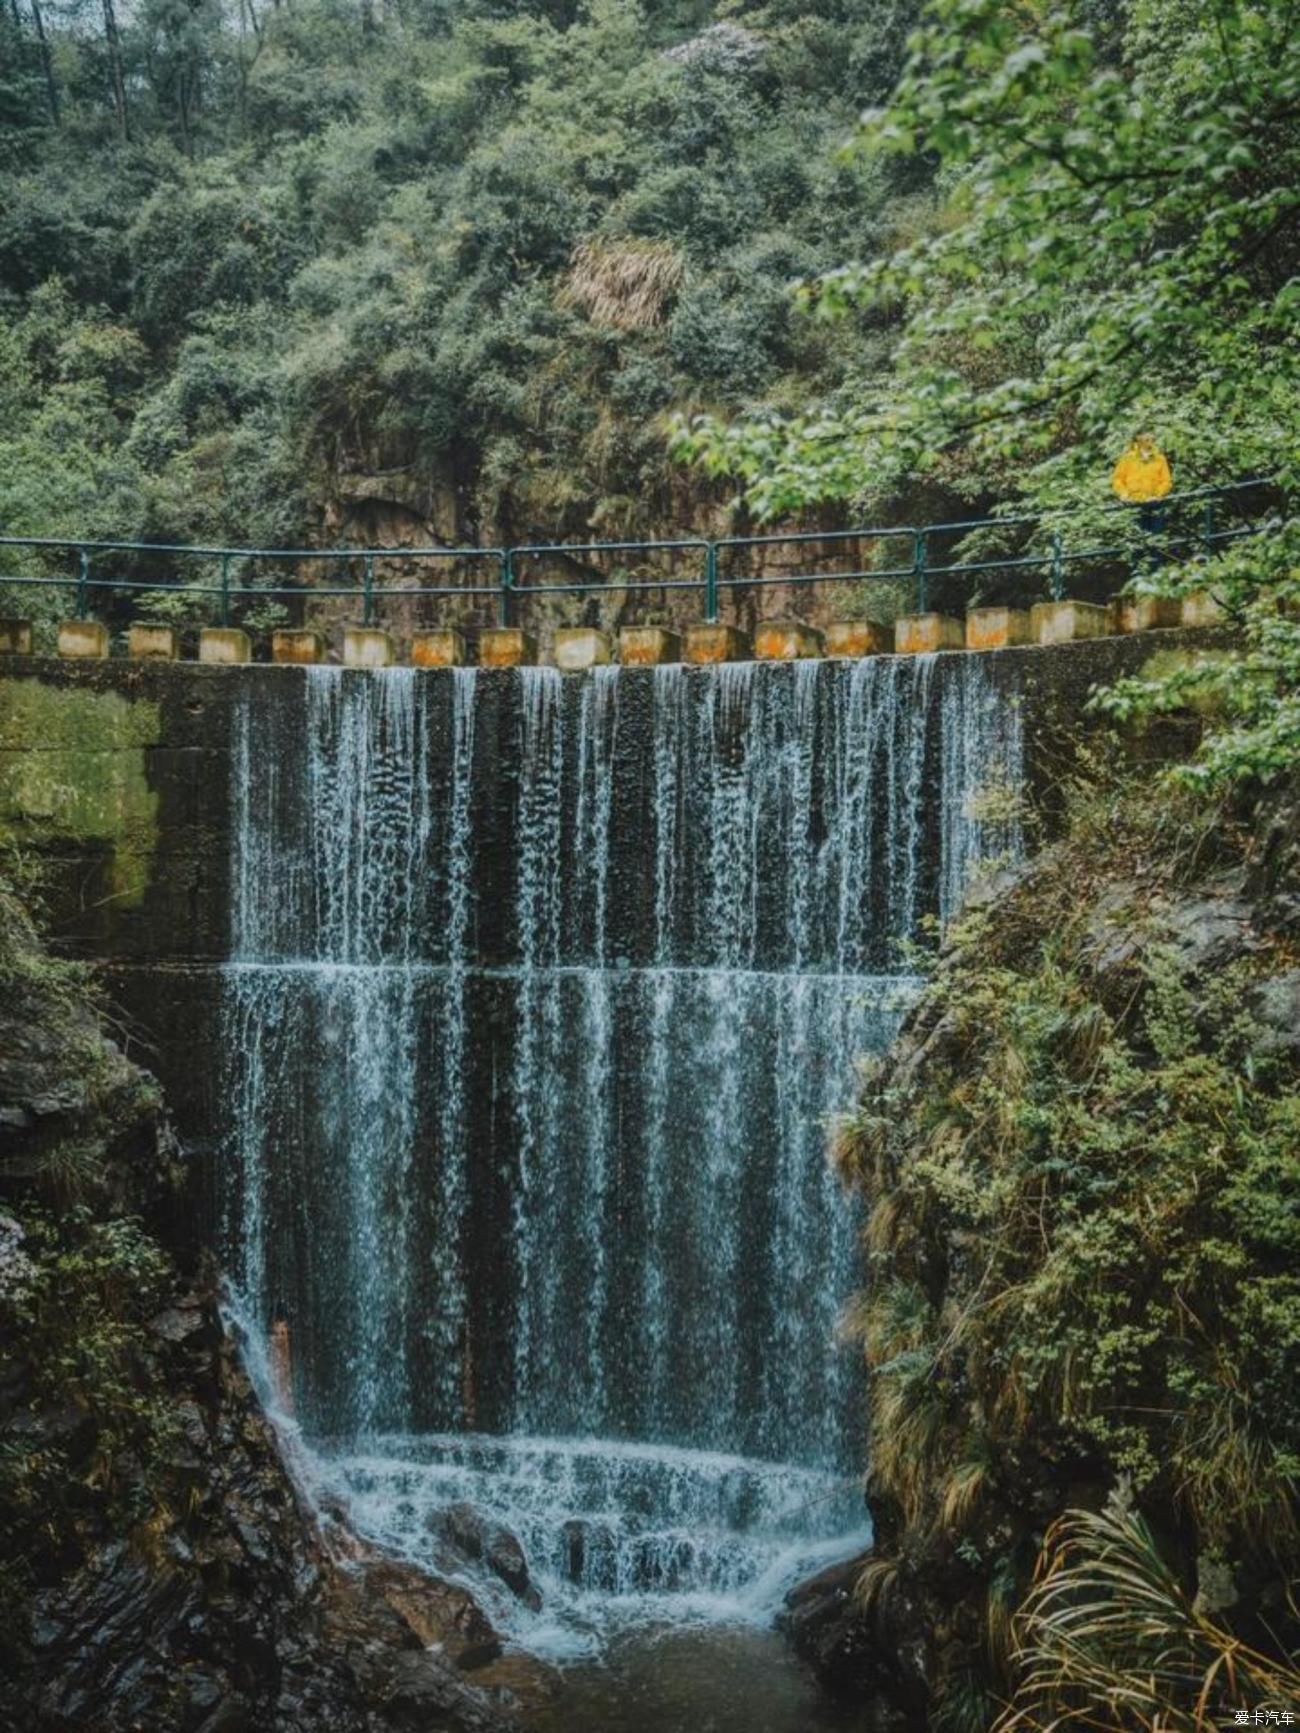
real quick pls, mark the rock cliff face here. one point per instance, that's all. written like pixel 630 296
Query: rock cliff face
pixel 162 1573
pixel 1080 1159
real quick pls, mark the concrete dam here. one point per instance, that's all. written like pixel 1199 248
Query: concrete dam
pixel 504 1013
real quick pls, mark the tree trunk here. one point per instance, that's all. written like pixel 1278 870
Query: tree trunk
pixel 183 108
pixel 115 64
pixel 47 60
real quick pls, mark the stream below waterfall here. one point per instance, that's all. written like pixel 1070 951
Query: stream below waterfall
pixel 722 1679
pixel 542 993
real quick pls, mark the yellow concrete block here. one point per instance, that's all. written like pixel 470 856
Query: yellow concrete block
pixel 225 644
pixel 153 643
pixel 648 646
pixel 858 638
pixel 920 634
pixel 505 647
pixel 786 641
pixel 367 647
pixel 707 644
pixel 579 647
pixel 81 640
pixel 443 647
pixel 1201 609
pixel 297 648
pixel 1064 622
pixel 996 628
pixel 15 637
pixel 1143 613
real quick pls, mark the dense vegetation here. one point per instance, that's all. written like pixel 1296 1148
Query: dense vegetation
pixel 269 270
pixel 1083 1163
pixel 1113 245
pixel 82 1412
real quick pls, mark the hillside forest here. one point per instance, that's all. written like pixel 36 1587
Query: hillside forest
pixel 472 271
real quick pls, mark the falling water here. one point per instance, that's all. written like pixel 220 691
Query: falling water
pixel 543 989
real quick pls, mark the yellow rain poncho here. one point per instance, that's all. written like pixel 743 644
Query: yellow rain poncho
pixel 1142 473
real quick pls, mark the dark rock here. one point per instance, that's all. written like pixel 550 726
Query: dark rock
pixel 438 1614
pixel 824 1623
pixel 1274 1003
pixel 180 1321
pixel 67 1427
pixel 506 1559
pixel 1210 931
pixel 574 1534
pixel 203 1692
pixel 421 1692
pixel 1114 936
pixel 232 1716
pixel 481 1540
pixel 519 1682
pixel 853 1655
pixel 1273 879
pixel 463 1526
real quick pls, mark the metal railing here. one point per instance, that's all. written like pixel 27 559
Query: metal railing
pixel 1181 526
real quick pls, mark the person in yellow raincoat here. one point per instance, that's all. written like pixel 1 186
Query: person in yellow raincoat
pixel 1142 477
pixel 1143 473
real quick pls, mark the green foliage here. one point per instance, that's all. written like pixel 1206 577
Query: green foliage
pixel 87 1420
pixel 76 1312
pixel 1083 1242
pixel 1251 696
pixel 1110 245
pixel 345 241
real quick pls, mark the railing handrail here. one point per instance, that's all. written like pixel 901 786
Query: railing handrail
pixel 606 547
pixel 920 569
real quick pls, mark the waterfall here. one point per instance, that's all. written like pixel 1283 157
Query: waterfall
pixel 542 991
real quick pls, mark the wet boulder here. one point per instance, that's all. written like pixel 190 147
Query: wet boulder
pixel 853 1655
pixel 481 1540
pixel 504 1556
pixel 440 1615
pixel 420 1692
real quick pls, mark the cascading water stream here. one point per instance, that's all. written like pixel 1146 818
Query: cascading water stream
pixel 542 991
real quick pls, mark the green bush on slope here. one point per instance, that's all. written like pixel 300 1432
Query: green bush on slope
pixel 1083 1166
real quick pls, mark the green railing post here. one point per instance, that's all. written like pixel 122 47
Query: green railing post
pixel 1209 524
pixel 83 585
pixel 919 554
pixel 225 589
pixel 507 584
pixel 368 589
pixel 1058 572
pixel 711 583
